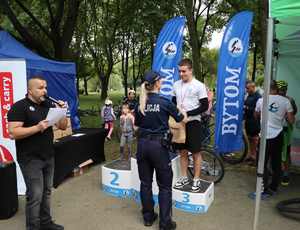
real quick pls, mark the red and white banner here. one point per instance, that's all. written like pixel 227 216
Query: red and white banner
pixel 5 155
pixel 6 99
pixel 13 87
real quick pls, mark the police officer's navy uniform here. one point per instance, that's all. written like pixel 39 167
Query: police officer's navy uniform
pixel 152 154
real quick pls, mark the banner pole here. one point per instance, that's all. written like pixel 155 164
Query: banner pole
pixel 267 81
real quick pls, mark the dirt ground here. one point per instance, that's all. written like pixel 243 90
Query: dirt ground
pixel 79 204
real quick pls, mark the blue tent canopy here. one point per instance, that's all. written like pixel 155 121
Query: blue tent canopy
pixel 60 76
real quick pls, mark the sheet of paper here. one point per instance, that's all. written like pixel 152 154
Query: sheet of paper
pixel 78 134
pixel 55 114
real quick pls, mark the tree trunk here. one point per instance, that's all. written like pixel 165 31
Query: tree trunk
pixel 193 39
pixel 134 84
pixel 85 86
pixel 62 25
pixel 254 62
pixel 104 89
pixel 125 59
pixel 264 15
pixel 133 66
pixel 77 84
pixel 125 84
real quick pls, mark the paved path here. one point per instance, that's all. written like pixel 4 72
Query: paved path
pixel 79 204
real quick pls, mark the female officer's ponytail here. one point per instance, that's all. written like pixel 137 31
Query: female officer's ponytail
pixel 146 87
pixel 143 99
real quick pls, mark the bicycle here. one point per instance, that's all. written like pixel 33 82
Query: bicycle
pixel 212 166
pixel 290 208
pixel 238 156
pixel 232 157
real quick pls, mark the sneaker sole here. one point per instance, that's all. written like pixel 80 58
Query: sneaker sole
pixel 181 186
pixel 284 184
pixel 196 190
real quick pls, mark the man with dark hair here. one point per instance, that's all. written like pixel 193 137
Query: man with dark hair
pixel 35 152
pixel 252 125
pixel 191 97
pixel 279 109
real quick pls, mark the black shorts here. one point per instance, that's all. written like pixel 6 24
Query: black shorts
pixel 252 127
pixel 194 137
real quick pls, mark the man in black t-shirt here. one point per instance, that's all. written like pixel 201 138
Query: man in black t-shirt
pixel 35 152
pixel 252 125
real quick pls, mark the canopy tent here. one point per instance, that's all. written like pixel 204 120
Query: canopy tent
pixel 282 53
pixel 287 32
pixel 60 76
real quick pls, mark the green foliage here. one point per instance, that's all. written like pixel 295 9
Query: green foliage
pixel 260 80
pixel 47 27
pixel 105 30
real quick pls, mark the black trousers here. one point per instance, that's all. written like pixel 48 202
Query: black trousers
pixel 273 156
pixel 38 176
pixel 151 155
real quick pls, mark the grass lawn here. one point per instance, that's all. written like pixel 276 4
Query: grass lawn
pixel 92 102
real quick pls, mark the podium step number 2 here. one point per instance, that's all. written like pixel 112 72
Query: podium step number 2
pixel 116 182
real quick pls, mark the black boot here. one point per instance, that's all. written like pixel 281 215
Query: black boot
pixel 169 226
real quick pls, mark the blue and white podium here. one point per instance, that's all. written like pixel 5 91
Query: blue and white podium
pixel 116 178
pixel 120 179
pixel 135 181
pixel 194 202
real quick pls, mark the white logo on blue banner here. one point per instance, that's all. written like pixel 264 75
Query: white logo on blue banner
pixel 169 49
pixel 235 47
pixel 231 83
pixel 167 53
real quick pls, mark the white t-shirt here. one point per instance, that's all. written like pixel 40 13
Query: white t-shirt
pixel 188 95
pixel 279 106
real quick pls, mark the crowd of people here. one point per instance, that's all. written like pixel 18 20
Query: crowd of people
pixel 282 110
pixel 148 119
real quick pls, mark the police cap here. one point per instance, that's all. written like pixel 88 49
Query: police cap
pixel 151 76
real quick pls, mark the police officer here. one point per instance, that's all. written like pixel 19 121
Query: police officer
pixel 152 117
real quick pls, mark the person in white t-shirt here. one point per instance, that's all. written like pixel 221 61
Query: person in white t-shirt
pixel 280 109
pixel 190 95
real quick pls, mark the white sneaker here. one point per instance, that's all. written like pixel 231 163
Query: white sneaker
pixel 196 185
pixel 182 181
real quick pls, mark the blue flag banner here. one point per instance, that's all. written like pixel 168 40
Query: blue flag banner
pixel 231 83
pixel 168 52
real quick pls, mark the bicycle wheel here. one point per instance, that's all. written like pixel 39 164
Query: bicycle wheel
pixel 238 156
pixel 290 208
pixel 212 167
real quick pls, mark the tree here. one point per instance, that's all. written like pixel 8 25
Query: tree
pixel 137 34
pixel 203 17
pixel 101 22
pixel 44 26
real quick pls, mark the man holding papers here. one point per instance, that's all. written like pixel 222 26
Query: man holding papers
pixel 28 125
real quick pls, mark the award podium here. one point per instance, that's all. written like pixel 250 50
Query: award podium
pixel 120 178
pixel 116 178
pixel 135 181
pixel 194 202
